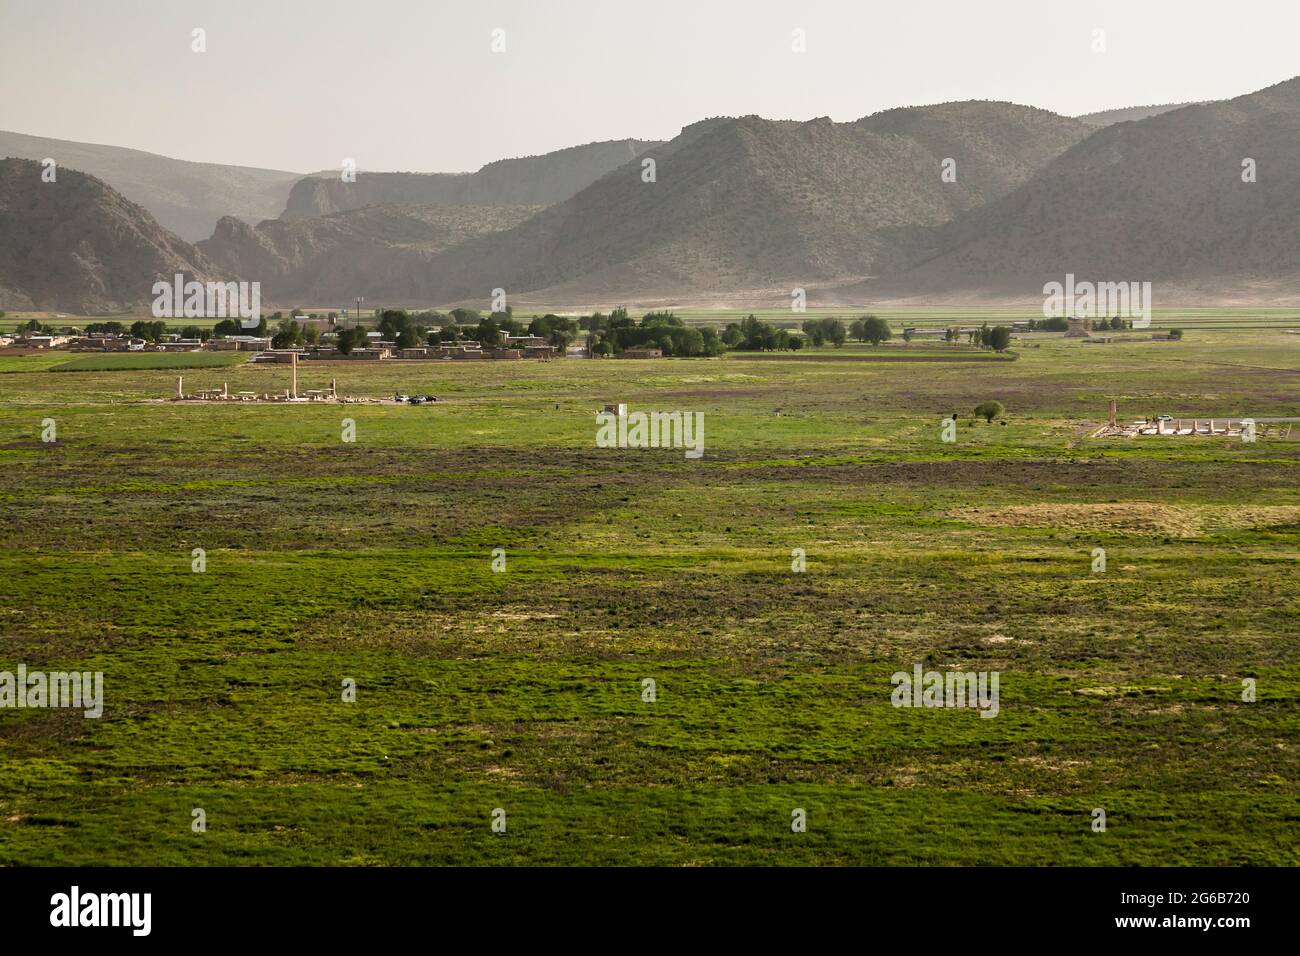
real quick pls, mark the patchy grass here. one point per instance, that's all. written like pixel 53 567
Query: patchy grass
pixel 372 561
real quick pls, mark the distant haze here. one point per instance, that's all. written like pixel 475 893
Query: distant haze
pixel 414 85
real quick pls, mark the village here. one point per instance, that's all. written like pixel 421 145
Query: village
pixel 508 347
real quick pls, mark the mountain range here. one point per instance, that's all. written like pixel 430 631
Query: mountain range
pixel 186 198
pixel 78 245
pixel 948 202
pixel 1164 199
pixel 532 180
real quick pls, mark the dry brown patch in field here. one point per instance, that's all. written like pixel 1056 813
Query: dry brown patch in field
pixel 520 614
pixel 1135 517
pixel 1255 516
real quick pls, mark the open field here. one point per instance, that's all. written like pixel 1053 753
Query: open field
pixel 372 561
pixel 109 362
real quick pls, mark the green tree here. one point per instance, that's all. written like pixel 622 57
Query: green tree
pixel 988 411
pixel 999 338
pixel 712 341
pixel 288 335
pixel 349 339
pixel 487 333
pixel 876 329
pixel 149 331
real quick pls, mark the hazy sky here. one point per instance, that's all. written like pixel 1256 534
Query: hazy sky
pixel 405 84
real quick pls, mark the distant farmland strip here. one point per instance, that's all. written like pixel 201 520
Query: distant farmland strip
pixel 151 360
pixel 891 355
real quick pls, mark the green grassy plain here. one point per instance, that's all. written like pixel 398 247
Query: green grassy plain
pixel 115 361
pixel 522 690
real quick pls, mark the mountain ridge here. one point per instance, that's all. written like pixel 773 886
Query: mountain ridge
pixel 186 197
pixel 77 245
pixel 540 179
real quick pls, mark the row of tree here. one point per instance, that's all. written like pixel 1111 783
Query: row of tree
pixel 617 332
pixel 997 338
pixel 605 334
pixel 754 335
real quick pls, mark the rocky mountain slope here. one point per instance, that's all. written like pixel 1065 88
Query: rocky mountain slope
pixel 1129 114
pixel 186 198
pixel 755 203
pixel 376 251
pixel 1160 200
pixel 76 245
pixel 531 180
